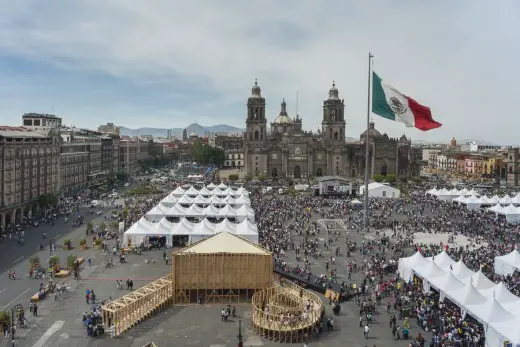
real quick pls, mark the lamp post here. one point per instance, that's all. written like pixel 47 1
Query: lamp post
pixel 239 336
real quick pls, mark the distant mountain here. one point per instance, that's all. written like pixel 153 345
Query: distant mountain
pixel 192 128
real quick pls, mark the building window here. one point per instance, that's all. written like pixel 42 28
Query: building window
pixel 256 135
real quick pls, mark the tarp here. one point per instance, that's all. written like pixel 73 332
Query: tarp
pixel 480 281
pixel 489 311
pixel 462 272
pixel 406 265
pixel 443 260
pixel 468 295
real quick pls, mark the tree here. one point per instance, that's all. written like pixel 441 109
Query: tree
pixel 206 154
pixel 233 177
pixel 46 200
pixel 262 178
pixel 391 178
pixel 378 178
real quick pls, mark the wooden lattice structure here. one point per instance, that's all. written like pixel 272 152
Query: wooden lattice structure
pixel 138 305
pixel 286 312
pixel 223 268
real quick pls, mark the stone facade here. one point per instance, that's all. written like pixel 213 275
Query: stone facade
pixel 28 169
pixel 289 151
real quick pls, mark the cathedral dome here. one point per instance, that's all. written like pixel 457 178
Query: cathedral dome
pixel 333 92
pixel 372 132
pixel 283 117
pixel 256 92
pixel 194 134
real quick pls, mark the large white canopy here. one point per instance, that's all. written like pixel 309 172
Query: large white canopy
pixel 496 209
pixel 138 232
pixel 506 200
pixel 516 199
pixel 222 186
pixel 178 192
pixel 507 264
pixel 489 311
pixel 443 260
pixel 211 186
pixel 179 211
pixel 468 295
pixel 407 265
pixel 169 200
pixel 462 272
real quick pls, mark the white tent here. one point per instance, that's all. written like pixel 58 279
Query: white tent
pixel 510 301
pixel 454 192
pixel 185 200
pixel 511 213
pixel 212 211
pixel 241 200
pixel 443 260
pixel 473 192
pixel 489 311
pixel 446 283
pixel 245 212
pixel 239 192
pixel 378 190
pixel 407 265
pixel 462 272
pixel 356 202
pixel 499 332
pixel 194 211
pixel 506 200
pixel 211 186
pixel 443 194
pixel 516 199
pixel 215 200
pixel 169 200
pixel 157 213
pixel 192 192
pixel 465 192
pixel 222 186
pixel 142 229
pixel 248 231
pixel 469 295
pixel 480 281
pixel 201 200
pixel 205 192
pixel 227 212
pixel 178 192
pixel 484 200
pixel 177 210
pixel 494 200
pixel 507 264
pixel 223 192
pixel 496 209
pixel 472 203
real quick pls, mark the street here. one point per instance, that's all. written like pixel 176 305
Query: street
pixel 16 257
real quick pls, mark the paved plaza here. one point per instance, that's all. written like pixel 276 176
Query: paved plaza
pixel 59 322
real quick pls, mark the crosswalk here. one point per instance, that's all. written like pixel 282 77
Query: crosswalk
pixel 56 326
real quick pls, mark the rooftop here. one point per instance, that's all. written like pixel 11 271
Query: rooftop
pixel 19 132
pixel 332 178
pixel 39 115
pixel 224 242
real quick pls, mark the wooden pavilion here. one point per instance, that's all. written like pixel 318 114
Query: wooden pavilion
pixel 223 268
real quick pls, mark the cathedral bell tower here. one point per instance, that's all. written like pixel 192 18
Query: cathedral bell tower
pixel 256 134
pixel 333 123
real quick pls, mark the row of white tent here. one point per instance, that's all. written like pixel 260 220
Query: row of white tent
pixel 195 232
pixel 205 191
pixel 201 200
pixel 492 304
pixel 484 200
pixel 441 193
pixel 179 211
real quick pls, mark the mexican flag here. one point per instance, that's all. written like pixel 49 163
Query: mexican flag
pixel 389 103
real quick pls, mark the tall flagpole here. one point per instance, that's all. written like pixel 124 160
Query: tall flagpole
pixel 367 138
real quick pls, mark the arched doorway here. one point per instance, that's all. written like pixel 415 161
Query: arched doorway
pixel 274 173
pixel 297 172
pixel 319 172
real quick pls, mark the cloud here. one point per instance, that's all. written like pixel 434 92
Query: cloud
pixel 459 58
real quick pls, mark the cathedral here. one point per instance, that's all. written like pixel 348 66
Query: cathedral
pixel 286 150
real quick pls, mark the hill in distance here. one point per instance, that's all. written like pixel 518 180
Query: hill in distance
pixel 177 132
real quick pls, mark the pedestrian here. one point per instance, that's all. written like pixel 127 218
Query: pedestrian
pixel 166 260
pixel 35 310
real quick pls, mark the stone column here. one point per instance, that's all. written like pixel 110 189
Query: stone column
pixel 13 217
pixel 2 220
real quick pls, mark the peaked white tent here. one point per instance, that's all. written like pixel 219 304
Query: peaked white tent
pixel 460 200
pixel 211 186
pixel 496 209
pixel 454 192
pixel 215 200
pixel 506 200
pixel 462 272
pixel 516 199
pixel 177 210
pixel 472 202
pixel 205 192
pixel 507 264
pixel 429 271
pixel 480 281
pixel 169 200
pixel 464 192
pixel 508 300
pixel 178 192
pixel 468 295
pixel 432 191
pixel 407 265
pixel 494 199
pixel 443 260
pixel 446 283
pixel 157 213
pixel 194 211
pixel 489 311
pixel 185 200
pixel 222 186
pixel 443 194
pixel 511 213
pixel 473 192
pixel 221 193
pixel 142 229
pixel 201 200
pixel 192 192
pixel 499 332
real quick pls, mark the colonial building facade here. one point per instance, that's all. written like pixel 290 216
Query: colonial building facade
pixel 289 151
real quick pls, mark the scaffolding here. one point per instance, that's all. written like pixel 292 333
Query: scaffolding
pixel 286 312
pixel 219 277
pixel 142 303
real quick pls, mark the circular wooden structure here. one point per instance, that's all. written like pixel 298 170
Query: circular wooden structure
pixel 286 312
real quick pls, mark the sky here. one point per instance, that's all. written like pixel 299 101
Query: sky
pixel 169 63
